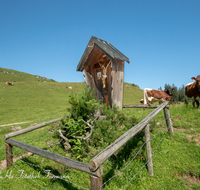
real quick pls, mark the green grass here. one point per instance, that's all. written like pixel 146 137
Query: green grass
pixel 43 100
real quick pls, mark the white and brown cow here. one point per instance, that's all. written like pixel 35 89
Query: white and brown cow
pixel 9 83
pixel 69 87
pixel 151 95
pixel 193 90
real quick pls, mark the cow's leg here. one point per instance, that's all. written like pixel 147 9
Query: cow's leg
pixel 145 97
pixel 193 103
pixel 148 102
pixel 186 102
pixel 197 102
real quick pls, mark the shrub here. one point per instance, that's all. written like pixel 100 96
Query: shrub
pixel 82 107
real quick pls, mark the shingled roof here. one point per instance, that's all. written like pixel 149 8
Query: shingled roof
pixel 105 46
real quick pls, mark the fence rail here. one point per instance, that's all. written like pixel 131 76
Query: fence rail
pixel 93 168
pixel 28 129
pixel 55 157
pixel 139 106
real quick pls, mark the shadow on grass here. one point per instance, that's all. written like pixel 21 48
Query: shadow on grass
pixel 54 178
pixel 129 150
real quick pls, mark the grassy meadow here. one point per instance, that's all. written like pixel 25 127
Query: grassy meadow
pixel 35 99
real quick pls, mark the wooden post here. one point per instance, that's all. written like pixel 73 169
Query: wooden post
pixel 106 95
pixel 148 150
pixel 96 182
pixel 168 120
pixel 9 157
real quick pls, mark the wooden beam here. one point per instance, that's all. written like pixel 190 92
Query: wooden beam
pixel 88 79
pixel 139 106
pixel 16 133
pixel 117 86
pixel 148 150
pixel 96 182
pixel 55 157
pixel 168 120
pixel 9 157
pixel 95 162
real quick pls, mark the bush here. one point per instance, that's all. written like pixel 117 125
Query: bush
pixel 107 131
pixel 82 107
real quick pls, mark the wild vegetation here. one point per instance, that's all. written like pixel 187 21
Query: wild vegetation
pixel 75 125
pixel 176 161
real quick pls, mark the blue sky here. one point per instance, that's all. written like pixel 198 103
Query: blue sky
pixel 48 37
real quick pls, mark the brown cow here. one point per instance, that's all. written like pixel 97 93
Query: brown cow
pixel 193 90
pixel 151 95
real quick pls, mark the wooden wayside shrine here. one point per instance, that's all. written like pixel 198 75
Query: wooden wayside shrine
pixel 103 68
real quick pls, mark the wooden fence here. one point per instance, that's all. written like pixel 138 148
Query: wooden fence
pixel 93 168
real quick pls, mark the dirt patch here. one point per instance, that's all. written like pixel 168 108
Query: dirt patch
pixel 194 138
pixel 191 178
pixel 13 128
pixel 179 129
pixel 177 119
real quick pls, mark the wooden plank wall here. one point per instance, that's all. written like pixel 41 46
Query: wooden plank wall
pixel 117 86
pixel 98 83
pixel 88 79
pixel 109 82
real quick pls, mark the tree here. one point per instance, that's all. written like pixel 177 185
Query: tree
pixel 181 93
pixel 175 93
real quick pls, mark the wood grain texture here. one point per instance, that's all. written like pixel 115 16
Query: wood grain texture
pixel 109 82
pixel 96 182
pixel 148 150
pixel 139 106
pixel 9 157
pixel 117 86
pixel 168 120
pixel 88 79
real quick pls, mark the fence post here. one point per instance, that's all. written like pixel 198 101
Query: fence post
pixel 148 150
pixel 168 120
pixel 96 182
pixel 9 157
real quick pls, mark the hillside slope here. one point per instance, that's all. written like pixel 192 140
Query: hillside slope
pixel 9 75
pixel 35 98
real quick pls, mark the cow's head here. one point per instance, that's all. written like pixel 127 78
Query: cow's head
pixel 197 80
pixel 169 91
